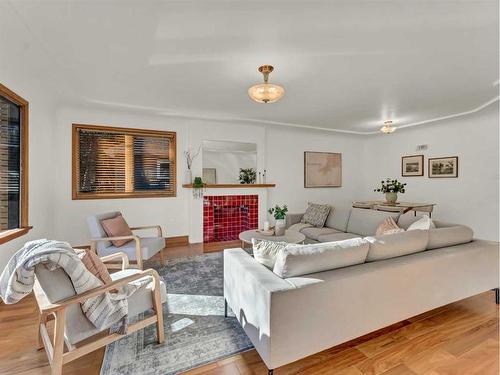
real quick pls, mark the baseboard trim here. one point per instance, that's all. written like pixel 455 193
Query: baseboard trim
pixel 177 241
pixel 171 242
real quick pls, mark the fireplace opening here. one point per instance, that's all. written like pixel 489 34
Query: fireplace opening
pixel 226 216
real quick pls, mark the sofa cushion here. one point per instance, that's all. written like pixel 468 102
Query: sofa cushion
pixel 397 244
pixel 265 252
pixel 365 222
pixel 314 233
pixel 316 214
pixel 424 223
pixel 340 236
pixel 338 218
pixel 448 235
pixel 299 226
pixel 296 260
pixel 405 220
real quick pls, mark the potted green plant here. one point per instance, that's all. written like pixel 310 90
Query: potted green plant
pixel 198 187
pixel 391 188
pixel 279 214
pixel 247 176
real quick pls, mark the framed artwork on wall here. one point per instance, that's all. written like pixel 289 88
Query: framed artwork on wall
pixel 443 167
pixel 209 176
pixel 412 165
pixel 322 169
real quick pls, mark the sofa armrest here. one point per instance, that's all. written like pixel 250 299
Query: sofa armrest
pixel 293 219
pixel 248 290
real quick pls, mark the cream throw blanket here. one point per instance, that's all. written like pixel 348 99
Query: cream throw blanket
pixel 103 311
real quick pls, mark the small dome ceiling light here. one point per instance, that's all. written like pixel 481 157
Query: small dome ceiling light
pixel 266 92
pixel 388 128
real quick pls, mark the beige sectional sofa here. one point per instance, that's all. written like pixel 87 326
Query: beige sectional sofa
pixel 325 293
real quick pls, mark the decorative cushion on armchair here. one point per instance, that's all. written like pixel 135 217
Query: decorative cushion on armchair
pixel 116 227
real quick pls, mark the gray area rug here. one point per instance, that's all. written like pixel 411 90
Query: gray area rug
pixel 196 331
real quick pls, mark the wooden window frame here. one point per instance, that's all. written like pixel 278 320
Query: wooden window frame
pixel 76 195
pixel 10 234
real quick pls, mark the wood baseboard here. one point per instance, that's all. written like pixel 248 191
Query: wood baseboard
pixel 171 242
pixel 177 241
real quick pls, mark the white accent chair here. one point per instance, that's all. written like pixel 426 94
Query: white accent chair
pixel 139 249
pixel 57 300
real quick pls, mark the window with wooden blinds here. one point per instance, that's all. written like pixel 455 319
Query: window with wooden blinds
pixel 13 165
pixel 113 162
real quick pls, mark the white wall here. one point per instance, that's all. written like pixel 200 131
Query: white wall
pixel 40 156
pixel 285 165
pixel 472 198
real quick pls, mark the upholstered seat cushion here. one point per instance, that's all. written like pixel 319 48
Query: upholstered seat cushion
pixel 141 300
pixel 365 222
pixel 314 233
pixel 150 246
pixel 299 226
pixel 339 236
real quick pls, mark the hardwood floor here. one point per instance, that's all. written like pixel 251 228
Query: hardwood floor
pixel 458 339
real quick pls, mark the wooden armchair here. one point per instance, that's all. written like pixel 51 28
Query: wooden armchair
pixel 137 250
pixel 58 301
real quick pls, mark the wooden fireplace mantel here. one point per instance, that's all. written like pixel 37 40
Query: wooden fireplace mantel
pixel 231 186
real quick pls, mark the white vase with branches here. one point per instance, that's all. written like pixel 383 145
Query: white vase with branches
pixel 190 155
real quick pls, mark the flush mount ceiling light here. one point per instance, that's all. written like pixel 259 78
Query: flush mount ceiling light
pixel 388 128
pixel 266 92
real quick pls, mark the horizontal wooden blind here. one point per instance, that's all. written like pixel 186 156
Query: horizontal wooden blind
pixel 10 164
pixel 121 162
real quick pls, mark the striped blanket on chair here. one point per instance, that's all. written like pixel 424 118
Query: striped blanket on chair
pixel 103 311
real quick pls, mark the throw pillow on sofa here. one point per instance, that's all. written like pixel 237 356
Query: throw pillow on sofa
pixel 425 222
pixel 316 214
pixel 388 226
pixel 265 252
pixel 297 260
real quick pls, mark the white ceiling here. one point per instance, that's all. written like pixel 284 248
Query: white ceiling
pixel 345 65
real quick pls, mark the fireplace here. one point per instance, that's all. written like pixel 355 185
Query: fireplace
pixel 226 216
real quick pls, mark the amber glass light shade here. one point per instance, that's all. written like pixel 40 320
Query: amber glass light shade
pixel 266 92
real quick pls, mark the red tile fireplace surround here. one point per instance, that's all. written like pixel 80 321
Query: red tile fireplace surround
pixel 226 216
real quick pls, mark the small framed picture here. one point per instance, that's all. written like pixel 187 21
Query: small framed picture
pixel 412 165
pixel 322 169
pixel 443 167
pixel 209 176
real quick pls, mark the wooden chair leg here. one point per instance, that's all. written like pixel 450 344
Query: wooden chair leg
pixel 42 319
pixel 159 314
pixel 162 257
pixel 138 254
pixel 57 359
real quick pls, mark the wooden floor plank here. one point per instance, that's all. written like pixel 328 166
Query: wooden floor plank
pixel 460 338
